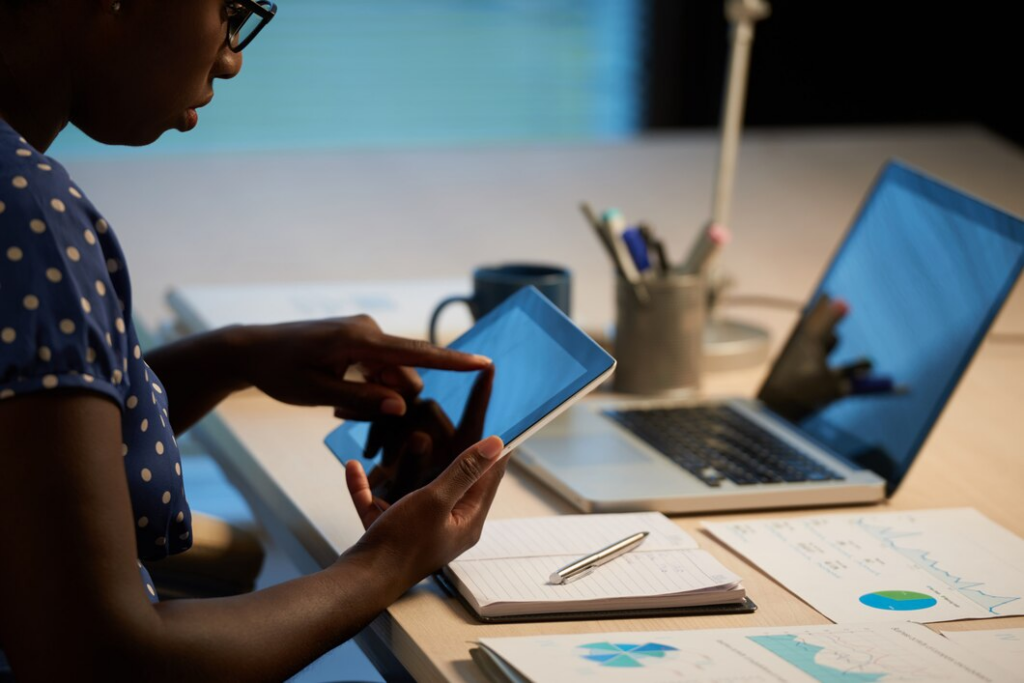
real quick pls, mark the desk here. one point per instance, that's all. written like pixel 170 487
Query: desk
pixel 795 195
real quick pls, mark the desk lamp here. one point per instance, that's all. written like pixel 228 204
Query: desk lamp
pixel 730 344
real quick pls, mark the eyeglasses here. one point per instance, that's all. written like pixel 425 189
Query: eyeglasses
pixel 246 18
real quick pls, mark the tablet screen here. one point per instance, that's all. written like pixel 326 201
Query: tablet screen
pixel 541 361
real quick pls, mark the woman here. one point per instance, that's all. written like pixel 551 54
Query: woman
pixel 90 478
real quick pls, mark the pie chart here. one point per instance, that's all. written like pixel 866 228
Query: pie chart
pixel 898 601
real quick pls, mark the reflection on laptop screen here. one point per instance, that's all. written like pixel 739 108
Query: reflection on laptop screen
pixel 924 270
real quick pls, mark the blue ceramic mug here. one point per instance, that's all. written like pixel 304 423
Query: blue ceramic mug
pixel 494 284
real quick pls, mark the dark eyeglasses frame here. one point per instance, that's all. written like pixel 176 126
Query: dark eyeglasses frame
pixel 264 9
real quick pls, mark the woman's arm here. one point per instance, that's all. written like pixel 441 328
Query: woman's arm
pixel 71 599
pixel 300 363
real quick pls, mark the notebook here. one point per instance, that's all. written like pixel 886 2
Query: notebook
pixel 505 576
pixel 924 269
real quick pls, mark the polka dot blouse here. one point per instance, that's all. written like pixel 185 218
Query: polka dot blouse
pixel 66 322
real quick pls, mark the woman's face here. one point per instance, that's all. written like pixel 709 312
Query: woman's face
pixel 151 65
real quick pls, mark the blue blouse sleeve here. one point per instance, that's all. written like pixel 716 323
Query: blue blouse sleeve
pixel 61 325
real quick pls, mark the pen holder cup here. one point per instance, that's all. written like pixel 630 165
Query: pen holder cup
pixel 659 344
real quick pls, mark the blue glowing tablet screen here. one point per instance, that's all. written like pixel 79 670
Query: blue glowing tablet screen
pixel 541 359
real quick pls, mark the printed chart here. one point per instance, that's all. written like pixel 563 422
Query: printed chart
pixel 862 653
pixel 928 566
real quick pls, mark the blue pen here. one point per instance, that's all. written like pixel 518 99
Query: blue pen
pixel 637 245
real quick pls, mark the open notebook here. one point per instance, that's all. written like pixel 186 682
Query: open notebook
pixel 505 576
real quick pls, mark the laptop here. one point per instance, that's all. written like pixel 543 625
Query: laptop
pixel 924 270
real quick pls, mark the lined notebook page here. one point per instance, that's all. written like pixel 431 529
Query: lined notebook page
pixel 514 559
pixel 577 535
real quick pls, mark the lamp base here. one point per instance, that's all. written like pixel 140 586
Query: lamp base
pixel 733 345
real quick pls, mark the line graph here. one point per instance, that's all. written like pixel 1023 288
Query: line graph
pixel 970 589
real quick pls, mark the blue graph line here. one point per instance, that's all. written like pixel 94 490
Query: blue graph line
pixel 922 558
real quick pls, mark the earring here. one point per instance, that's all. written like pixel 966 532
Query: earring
pixel 116 7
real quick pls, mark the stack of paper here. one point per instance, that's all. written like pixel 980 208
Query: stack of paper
pixel 507 572
pixel 863 652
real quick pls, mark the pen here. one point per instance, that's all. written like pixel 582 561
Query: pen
pixel 638 248
pixel 620 255
pixel 657 246
pixel 709 242
pixel 586 565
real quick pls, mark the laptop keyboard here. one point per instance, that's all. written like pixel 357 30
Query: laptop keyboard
pixel 716 443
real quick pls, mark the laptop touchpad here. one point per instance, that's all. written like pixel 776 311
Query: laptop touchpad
pixel 587 451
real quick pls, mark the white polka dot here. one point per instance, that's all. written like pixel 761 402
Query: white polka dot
pixel 153 394
pixel 57 205
pixel 112 265
pixel 101 288
pixel 124 449
pixel 44 167
pixel 3 207
pixel 88 378
pixel 119 324
pixel 73 254
pixel 67 326
pixel 162 423
pixel 159 447
pixel 45 354
pixel 177 468
pixel 86 306
pixel 150 588
pixel 124 362
pixel 110 340
pixel 54 275
pixel 161 541
pixel 8 335
pixel 89 237
pixel 31 302
pixel 19 182
pixel 37 226
pixel 50 381
pixel 137 352
pixel 157 389
pixel 184 536
pixel 90 354
pixel 116 376
pixel 74 193
pixel 14 253
pixel 24 152
pixel 144 426
pixel 146 474
pixel 6 393
pixel 101 226
pixel 166 498
pixel 180 518
pixel 143 522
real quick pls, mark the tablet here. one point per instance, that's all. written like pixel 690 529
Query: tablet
pixel 543 363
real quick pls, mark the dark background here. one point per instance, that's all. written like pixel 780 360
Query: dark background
pixel 821 62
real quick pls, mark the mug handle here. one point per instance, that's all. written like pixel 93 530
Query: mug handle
pixel 436 315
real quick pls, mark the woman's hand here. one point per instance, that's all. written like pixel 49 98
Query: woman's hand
pixel 433 525
pixel 305 363
pixel 417 446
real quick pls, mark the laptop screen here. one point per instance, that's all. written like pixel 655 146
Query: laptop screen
pixel 924 270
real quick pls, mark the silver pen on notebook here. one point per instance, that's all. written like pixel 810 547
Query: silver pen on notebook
pixel 586 565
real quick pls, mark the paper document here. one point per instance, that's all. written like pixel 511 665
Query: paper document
pixel 1002 647
pixel 514 559
pixel 928 565
pixel 400 307
pixel 828 654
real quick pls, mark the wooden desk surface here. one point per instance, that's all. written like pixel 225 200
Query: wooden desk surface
pixel 795 195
